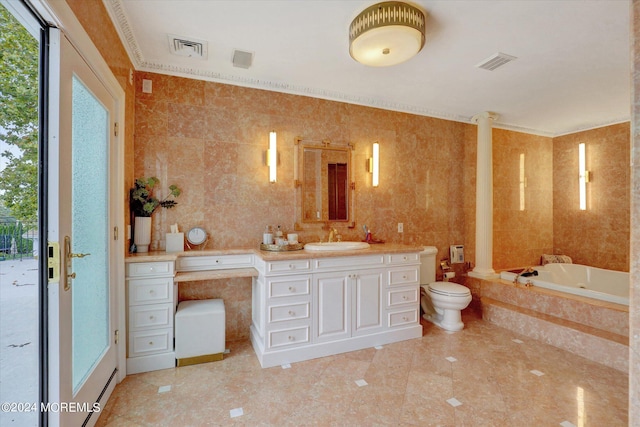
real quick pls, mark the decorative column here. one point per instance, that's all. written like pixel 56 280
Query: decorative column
pixel 484 197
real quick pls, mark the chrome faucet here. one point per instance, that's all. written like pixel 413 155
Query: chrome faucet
pixel 332 232
pixel 526 270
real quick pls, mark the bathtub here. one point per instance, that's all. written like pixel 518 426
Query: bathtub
pixel 591 282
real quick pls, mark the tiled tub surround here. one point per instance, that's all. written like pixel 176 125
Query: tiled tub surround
pixel 596 330
pixel 583 280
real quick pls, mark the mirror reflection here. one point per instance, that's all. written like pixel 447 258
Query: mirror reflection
pixel 326 194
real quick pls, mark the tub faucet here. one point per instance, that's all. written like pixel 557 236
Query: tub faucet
pixel 526 270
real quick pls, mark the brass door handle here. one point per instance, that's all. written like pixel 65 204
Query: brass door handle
pixel 68 256
pixel 78 255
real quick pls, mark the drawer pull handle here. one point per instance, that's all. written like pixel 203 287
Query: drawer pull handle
pixel 405 318
pixel 292 313
pixel 292 289
pixel 404 277
pixel 292 267
pixel 150 342
pixel 151 291
pixel 404 258
pixel 152 269
pixel 291 338
pixel 404 297
pixel 217 261
pixel 151 317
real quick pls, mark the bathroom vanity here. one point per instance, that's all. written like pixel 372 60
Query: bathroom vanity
pixel 304 304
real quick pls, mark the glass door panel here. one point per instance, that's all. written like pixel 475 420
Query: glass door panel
pixel 89 228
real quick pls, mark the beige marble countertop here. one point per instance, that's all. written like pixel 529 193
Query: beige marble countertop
pixel 273 256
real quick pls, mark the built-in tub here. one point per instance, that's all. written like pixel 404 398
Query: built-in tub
pixel 591 282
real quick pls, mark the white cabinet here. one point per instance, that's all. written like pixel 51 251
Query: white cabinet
pixel 332 304
pixel 151 298
pixel 348 304
pixel 308 308
pixel 403 291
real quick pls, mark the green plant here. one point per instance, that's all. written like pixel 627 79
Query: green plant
pixel 143 203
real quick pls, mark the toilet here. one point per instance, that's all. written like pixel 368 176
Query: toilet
pixel 441 302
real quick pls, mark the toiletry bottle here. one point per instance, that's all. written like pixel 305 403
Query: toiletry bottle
pixel 267 236
pixel 278 232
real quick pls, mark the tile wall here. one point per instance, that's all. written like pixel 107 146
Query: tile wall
pixel 210 138
pixel 598 236
pixel 522 201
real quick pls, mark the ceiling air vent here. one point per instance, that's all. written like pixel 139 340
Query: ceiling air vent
pixel 495 61
pixel 191 48
pixel 242 59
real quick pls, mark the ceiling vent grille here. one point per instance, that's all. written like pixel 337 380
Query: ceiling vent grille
pixel 191 48
pixel 495 61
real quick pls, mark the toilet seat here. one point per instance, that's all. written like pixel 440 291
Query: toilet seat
pixel 448 289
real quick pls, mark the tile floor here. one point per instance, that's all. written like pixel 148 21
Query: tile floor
pixel 481 376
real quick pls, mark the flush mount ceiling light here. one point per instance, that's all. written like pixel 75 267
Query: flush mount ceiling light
pixel 386 34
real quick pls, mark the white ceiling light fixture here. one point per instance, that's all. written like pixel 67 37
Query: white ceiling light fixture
pixel 386 34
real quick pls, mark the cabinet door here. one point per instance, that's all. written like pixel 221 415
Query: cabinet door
pixel 368 302
pixel 331 301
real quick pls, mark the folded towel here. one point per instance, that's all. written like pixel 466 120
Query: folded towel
pixel 549 259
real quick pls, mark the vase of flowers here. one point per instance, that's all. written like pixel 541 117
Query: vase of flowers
pixel 142 204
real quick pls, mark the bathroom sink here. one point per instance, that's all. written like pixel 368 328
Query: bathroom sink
pixel 336 246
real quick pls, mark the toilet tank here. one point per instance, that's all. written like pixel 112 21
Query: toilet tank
pixel 428 265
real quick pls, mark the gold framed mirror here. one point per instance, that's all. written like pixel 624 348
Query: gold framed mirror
pixel 326 185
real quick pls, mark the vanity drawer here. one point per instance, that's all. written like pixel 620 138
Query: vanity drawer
pixel 148 269
pixel 142 343
pixel 289 286
pixel 404 258
pixel 151 316
pixel 294 265
pixel 341 263
pixel 405 276
pixel 281 313
pixel 403 318
pixel 199 263
pixel 289 337
pixel 151 291
pixel 402 296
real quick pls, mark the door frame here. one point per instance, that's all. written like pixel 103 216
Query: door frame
pixel 62 18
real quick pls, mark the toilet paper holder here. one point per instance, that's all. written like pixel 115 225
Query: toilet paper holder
pixel 444 264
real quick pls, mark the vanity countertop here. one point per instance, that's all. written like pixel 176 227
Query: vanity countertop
pixel 273 256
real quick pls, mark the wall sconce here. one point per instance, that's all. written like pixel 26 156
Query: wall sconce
pixel 272 157
pixel 584 175
pixel 522 182
pixel 373 165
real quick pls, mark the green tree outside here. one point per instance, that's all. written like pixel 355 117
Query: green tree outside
pixel 19 53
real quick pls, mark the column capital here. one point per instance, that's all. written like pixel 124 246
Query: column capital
pixel 484 115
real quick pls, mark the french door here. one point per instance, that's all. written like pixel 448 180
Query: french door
pixel 82 305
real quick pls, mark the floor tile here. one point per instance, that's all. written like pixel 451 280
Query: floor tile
pixel 407 384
